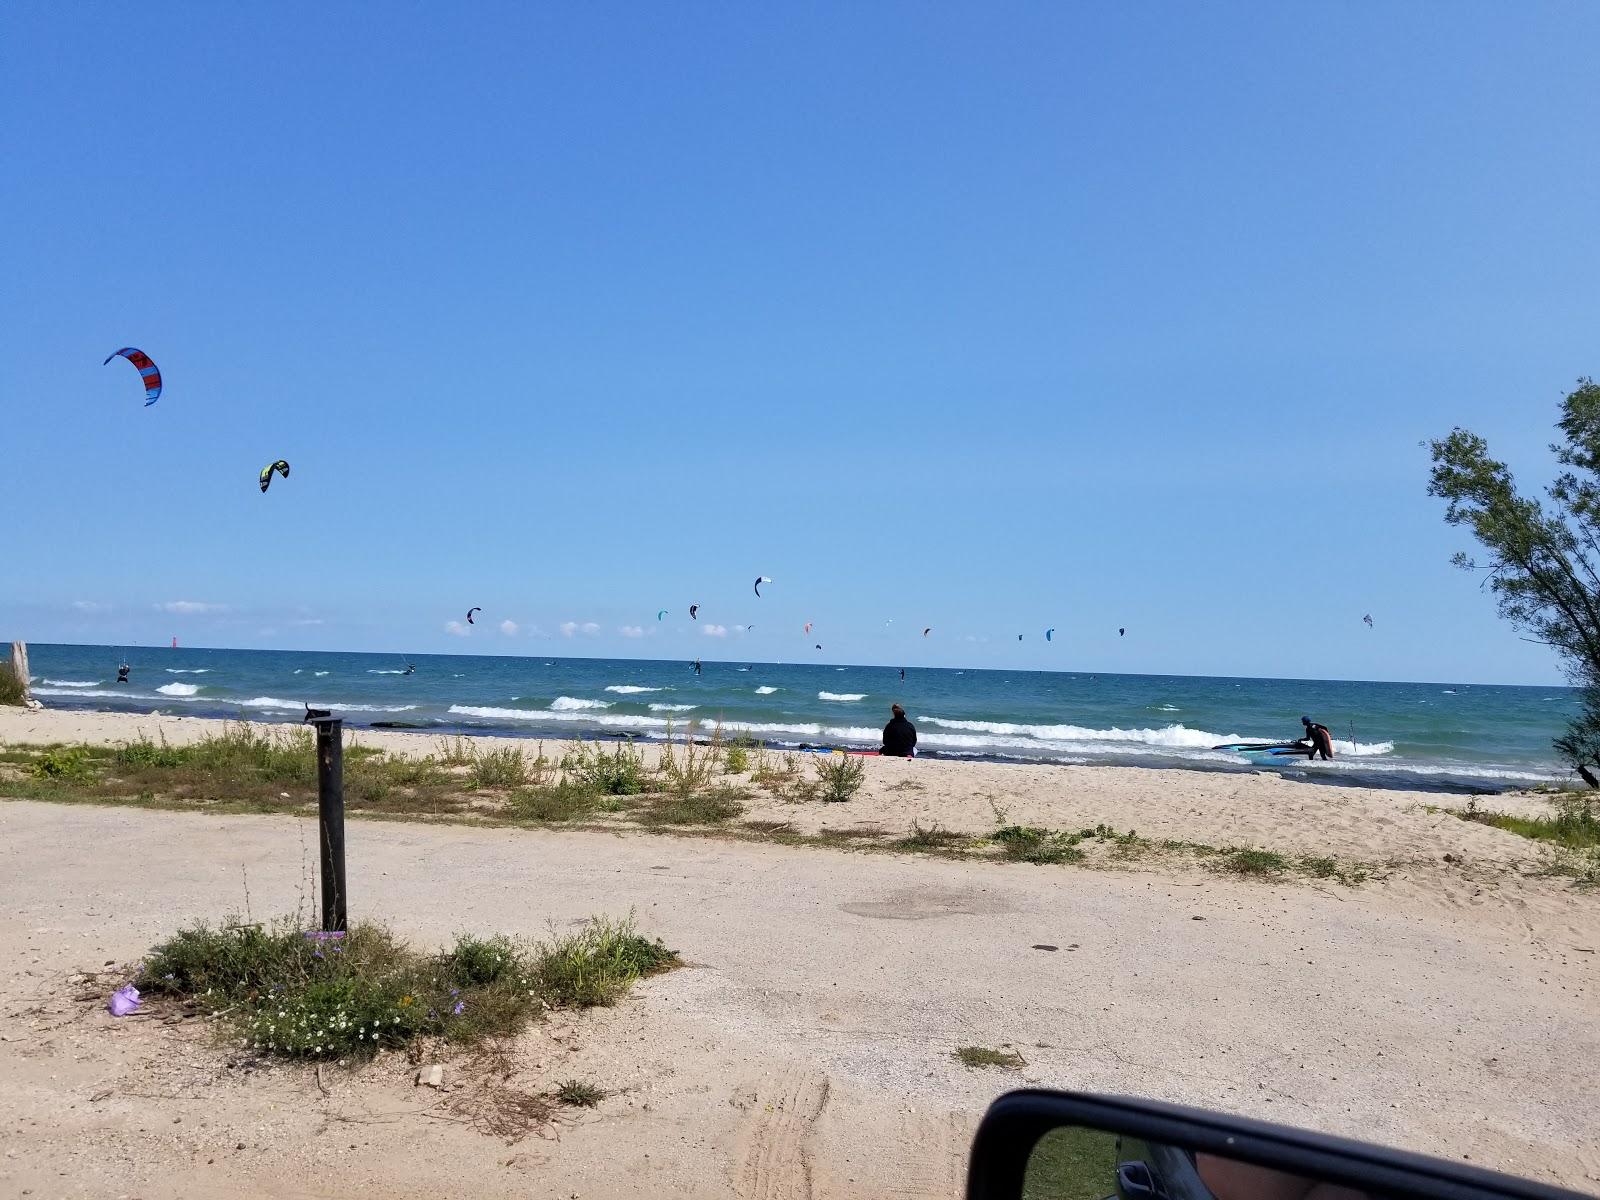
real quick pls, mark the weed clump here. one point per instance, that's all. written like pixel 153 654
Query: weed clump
pixel 932 839
pixel 1031 844
pixel 62 763
pixel 1249 861
pixel 710 807
pixel 596 965
pixel 12 690
pixel 839 777
pixel 575 1093
pixel 506 767
pixel 617 772
pixel 983 1056
pixel 301 993
pixel 568 800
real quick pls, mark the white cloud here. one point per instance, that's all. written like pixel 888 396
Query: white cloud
pixel 308 621
pixel 191 607
pixel 509 628
pixel 632 631
pixel 716 631
pixel 90 606
pixel 573 629
pixel 457 629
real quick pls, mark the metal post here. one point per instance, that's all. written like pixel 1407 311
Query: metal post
pixel 330 815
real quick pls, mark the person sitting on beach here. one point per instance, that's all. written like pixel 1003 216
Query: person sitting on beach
pixel 1318 737
pixel 899 735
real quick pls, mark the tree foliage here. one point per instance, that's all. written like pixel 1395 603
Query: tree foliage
pixel 1543 554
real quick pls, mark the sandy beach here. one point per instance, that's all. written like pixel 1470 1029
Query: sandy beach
pixel 1443 1006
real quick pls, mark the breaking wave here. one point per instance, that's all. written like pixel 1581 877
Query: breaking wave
pixel 178 689
pixel 843 697
pixel 274 702
pixel 573 704
pixel 187 670
pixel 629 689
pixel 673 707
pixel 765 691
pixel 72 682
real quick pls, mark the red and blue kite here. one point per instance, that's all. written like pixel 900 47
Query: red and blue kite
pixel 148 370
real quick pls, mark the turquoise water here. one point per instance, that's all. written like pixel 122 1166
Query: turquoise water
pixel 1454 736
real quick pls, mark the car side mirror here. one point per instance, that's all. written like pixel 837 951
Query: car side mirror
pixel 1038 1145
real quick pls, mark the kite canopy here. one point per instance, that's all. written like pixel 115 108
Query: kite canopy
pixel 281 467
pixel 470 611
pixel 808 627
pixel 1121 632
pixel 148 371
pixel 661 614
pixel 1049 635
pixel 760 579
pixel 1368 620
pixel 927 631
pixel 693 609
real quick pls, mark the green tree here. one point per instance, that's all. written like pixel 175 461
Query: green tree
pixel 1543 555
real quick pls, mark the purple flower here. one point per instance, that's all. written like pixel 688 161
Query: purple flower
pixel 461 1007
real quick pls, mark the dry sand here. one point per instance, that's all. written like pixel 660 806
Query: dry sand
pixel 807 1052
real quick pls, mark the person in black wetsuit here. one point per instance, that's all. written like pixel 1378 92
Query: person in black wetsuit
pixel 122 673
pixel 902 674
pixel 899 736
pixel 696 665
pixel 1318 737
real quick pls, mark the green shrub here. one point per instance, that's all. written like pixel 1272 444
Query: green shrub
pixel 1031 844
pixel 1249 861
pixel 598 963
pixel 62 763
pixel 575 1093
pixel 839 776
pixel 505 767
pixel 702 808
pixel 736 759
pixel 568 800
pixel 11 688
pixel 145 753
pixel 615 772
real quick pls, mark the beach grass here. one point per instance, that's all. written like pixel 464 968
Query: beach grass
pixel 1575 825
pixel 595 966
pixel 11 690
pixel 1248 860
pixel 576 1093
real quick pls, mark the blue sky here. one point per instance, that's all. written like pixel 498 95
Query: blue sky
pixel 986 317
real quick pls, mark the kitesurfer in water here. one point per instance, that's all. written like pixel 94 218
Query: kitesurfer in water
pixel 122 673
pixel 902 674
pixel 697 666
pixel 1317 737
pixel 899 735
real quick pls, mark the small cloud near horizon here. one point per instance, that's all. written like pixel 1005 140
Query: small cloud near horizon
pixel 190 607
pixel 509 627
pixel 573 628
pixel 632 631
pixel 720 631
pixel 457 629
pixel 90 606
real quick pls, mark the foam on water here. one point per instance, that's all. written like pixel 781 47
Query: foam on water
pixel 291 705
pixel 765 691
pixel 842 697
pixel 629 689
pixel 187 670
pixel 61 683
pixel 673 707
pixel 178 689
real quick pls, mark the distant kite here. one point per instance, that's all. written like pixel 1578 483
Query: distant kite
pixel 1019 637
pixel 927 631
pixel 1368 620
pixel 661 614
pixel 147 370
pixel 470 611
pixel 1049 635
pixel 819 645
pixel 808 627
pixel 281 467
pixel 760 579
pixel 694 609
pixel 1122 632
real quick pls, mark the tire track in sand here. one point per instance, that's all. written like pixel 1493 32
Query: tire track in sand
pixel 775 1159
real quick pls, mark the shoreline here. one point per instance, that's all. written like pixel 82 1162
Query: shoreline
pixel 1440 781
pixel 1397 830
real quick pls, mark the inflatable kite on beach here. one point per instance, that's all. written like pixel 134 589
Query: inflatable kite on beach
pixel 470 611
pixel 760 579
pixel 693 609
pixel 148 371
pixel 281 467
